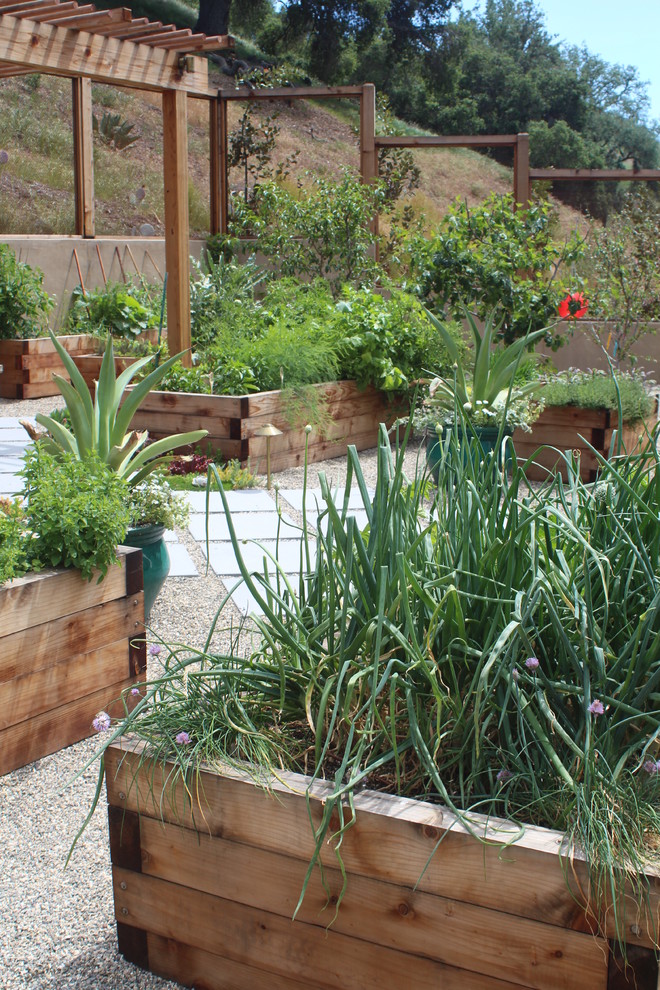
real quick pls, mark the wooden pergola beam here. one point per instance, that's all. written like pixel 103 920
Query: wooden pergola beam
pixel 448 141
pixel 591 174
pixel 293 93
pixel 48 48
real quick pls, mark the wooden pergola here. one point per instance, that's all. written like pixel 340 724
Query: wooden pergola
pixel 76 41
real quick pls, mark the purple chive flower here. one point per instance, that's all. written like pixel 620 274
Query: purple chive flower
pixel 515 674
pixel 182 739
pixel 651 766
pixel 503 776
pixel 596 707
pixel 155 649
pixel 135 691
pixel 102 722
pixel 531 663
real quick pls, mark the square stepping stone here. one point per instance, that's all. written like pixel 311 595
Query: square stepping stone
pixel 249 500
pixel 12 448
pixel 181 563
pixel 223 561
pixel 243 598
pixel 14 434
pixel 247 525
pixel 10 484
pixel 315 503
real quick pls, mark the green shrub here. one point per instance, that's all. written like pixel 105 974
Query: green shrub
pixel 599 390
pixel 389 341
pixel 77 510
pixel 321 232
pixel 123 310
pixel 497 260
pixel 294 342
pixel 24 304
pixel 14 540
pixel 222 303
pixel 623 265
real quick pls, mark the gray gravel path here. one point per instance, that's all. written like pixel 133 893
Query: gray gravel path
pixel 57 926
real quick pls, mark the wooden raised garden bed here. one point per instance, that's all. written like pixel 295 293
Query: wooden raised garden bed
pixel 28 365
pixel 66 652
pixel 567 428
pixel 89 366
pixel 345 415
pixel 205 893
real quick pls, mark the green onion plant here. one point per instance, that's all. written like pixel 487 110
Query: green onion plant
pixel 482 644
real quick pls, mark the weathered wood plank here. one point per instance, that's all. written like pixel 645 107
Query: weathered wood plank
pixel 270 942
pixel 197 405
pixel 38 598
pixel 47 733
pixel 320 451
pixel 536 955
pixel 340 430
pixel 31 375
pixel 81 342
pixel 197 968
pixel 268 403
pixel 164 423
pixel 60 683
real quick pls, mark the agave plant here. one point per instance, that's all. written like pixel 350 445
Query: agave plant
pixel 103 424
pixel 486 391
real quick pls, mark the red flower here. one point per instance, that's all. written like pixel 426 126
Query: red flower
pixel 573 306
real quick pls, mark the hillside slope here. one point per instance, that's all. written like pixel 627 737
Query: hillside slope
pixel 36 182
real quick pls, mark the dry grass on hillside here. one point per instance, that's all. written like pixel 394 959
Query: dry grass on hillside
pixel 36 184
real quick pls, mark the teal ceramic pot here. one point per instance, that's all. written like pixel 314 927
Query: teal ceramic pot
pixel 155 560
pixel 486 436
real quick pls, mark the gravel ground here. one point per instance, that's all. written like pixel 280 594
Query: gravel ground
pixel 57 924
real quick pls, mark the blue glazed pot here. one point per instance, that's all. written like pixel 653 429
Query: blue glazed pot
pixel 485 436
pixel 155 560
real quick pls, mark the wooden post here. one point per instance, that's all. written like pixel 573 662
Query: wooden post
pixel 175 167
pixel 219 185
pixel 521 171
pixel 368 159
pixel 83 156
pixel 368 152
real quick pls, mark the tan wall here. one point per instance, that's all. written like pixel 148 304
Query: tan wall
pixel 582 350
pixel 56 259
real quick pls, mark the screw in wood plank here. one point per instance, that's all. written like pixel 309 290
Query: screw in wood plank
pixel 124 910
pixel 122 796
pixel 123 885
